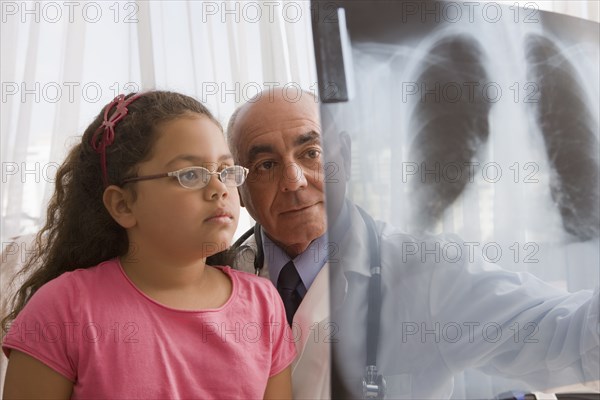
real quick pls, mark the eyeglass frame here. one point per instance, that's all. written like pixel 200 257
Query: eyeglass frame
pixel 179 171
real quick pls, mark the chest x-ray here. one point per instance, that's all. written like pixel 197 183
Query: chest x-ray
pixel 476 119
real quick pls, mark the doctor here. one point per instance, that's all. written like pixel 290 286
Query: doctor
pixel 438 317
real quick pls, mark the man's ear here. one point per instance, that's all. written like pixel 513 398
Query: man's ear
pixel 118 203
pixel 346 149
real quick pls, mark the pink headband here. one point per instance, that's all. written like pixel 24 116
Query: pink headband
pixel 106 132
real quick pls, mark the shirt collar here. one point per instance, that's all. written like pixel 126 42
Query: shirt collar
pixel 308 263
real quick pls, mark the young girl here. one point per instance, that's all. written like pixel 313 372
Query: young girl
pixel 119 302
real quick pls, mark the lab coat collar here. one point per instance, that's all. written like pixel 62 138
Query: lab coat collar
pixel 352 244
pixel 351 260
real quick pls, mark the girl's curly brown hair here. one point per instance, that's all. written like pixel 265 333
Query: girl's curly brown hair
pixel 79 232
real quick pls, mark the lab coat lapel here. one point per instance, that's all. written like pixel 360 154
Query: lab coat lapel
pixel 313 333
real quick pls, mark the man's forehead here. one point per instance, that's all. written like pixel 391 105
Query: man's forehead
pixel 274 115
pixel 282 125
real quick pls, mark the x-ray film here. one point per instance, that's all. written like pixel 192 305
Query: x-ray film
pixel 479 122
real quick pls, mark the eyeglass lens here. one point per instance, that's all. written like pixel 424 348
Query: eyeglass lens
pixel 198 177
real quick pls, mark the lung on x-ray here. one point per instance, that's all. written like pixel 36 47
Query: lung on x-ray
pixel 479 119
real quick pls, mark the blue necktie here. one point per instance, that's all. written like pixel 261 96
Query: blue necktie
pixel 287 285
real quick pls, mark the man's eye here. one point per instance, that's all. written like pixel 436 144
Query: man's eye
pixel 265 166
pixel 313 153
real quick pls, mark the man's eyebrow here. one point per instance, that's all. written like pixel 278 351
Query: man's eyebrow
pixel 197 160
pixel 309 137
pixel 257 150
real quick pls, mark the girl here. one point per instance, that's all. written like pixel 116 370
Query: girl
pixel 119 301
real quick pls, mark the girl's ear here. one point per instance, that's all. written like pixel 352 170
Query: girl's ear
pixel 118 201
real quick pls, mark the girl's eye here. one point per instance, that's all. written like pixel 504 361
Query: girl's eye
pixel 189 176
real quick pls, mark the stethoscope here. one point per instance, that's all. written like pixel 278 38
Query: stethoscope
pixel 373 383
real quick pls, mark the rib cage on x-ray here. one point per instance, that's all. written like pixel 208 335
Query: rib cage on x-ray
pixel 447 132
pixel 563 114
pixel 426 93
pixel 450 131
pixel 445 121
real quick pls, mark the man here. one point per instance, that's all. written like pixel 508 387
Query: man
pixel 437 318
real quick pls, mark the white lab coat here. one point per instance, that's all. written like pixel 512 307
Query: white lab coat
pixel 438 318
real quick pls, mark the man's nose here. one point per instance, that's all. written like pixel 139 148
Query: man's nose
pixel 293 178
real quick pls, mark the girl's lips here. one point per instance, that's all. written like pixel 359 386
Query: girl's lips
pixel 220 216
pixel 220 219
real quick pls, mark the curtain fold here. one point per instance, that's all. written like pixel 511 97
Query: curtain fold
pixel 146 50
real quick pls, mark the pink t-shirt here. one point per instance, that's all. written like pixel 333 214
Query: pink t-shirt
pixel 98 330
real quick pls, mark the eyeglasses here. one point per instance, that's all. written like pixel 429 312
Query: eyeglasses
pixel 198 177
